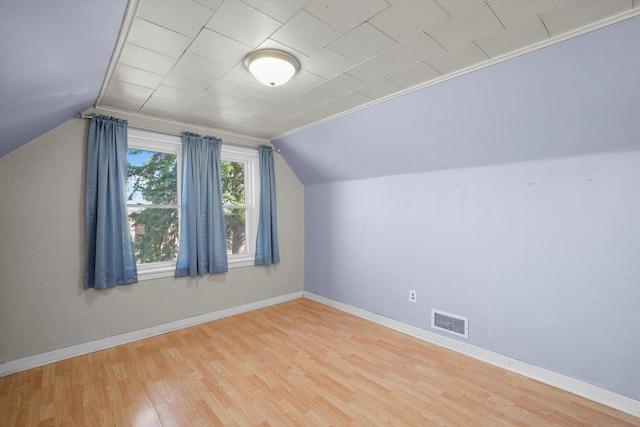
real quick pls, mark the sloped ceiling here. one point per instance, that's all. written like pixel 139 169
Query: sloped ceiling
pixel 182 60
pixel 577 97
pixel 54 55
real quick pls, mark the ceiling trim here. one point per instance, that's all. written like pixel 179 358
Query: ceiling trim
pixel 528 49
pixel 129 16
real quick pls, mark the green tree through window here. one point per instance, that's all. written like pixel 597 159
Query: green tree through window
pixel 153 191
pixel 153 205
pixel 233 198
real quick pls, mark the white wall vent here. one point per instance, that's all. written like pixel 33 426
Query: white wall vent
pixel 451 323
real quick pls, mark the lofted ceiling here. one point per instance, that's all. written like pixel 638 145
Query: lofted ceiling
pixel 182 60
pixel 54 55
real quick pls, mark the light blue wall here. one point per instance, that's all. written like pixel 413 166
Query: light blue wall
pixel 53 59
pixel 543 257
pixel 510 195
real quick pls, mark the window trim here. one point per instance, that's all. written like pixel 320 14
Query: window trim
pixel 252 181
pixel 156 141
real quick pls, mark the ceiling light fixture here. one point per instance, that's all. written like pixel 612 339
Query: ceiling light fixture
pixel 272 67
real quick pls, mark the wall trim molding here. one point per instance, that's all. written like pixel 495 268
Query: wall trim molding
pixel 577 387
pixel 563 382
pixel 113 341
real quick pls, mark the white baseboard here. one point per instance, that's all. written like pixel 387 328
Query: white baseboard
pixel 577 387
pixel 103 343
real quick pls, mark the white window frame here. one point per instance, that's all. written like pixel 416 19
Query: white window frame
pixel 154 141
pixel 251 199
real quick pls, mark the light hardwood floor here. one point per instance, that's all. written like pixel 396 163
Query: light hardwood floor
pixel 294 364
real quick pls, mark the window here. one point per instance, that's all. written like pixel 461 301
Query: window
pixel 240 186
pixel 153 190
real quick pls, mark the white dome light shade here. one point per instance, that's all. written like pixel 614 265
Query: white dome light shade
pixel 272 67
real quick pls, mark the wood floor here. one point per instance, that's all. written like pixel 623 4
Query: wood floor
pixel 294 364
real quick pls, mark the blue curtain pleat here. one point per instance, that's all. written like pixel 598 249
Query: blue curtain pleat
pixel 110 257
pixel 203 242
pixel 267 251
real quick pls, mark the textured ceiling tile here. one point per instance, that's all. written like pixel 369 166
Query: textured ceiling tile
pixel 243 23
pixel 160 107
pixel 199 109
pixel 201 67
pixel 312 116
pixel 398 58
pixel 466 27
pixel 327 63
pixel 381 89
pixel 304 81
pixel 514 38
pixel 137 76
pixel 352 100
pixel 278 94
pixel 305 33
pixel 362 43
pixel 330 109
pixel 186 82
pixel 458 59
pixel 455 7
pixel 280 10
pixel 217 99
pixel 129 91
pixel 232 87
pixel 121 102
pixel 220 48
pixel 316 96
pixel 512 12
pixel 373 69
pixel 419 74
pixel 240 73
pixel 342 85
pixel 405 19
pixel 254 124
pixel 345 15
pixel 581 13
pixel 173 94
pixel 272 44
pixel 157 39
pixel 146 60
pixel 285 111
pixel 413 51
pixel 184 17
pixel 211 4
pixel 225 121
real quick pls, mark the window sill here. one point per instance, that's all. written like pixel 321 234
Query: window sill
pixel 168 269
pixel 241 261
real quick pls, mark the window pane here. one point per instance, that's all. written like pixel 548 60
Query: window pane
pixel 152 177
pixel 236 231
pixel 232 174
pixel 155 234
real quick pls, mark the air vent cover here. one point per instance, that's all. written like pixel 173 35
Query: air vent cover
pixel 451 323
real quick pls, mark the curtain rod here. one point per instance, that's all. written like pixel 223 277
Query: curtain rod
pixel 88 116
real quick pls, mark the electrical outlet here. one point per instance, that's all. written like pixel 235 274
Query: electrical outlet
pixel 413 296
